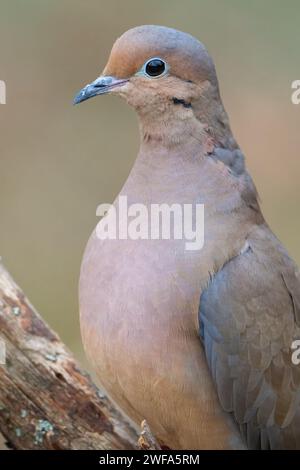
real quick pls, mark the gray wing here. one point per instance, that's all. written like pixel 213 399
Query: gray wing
pixel 249 317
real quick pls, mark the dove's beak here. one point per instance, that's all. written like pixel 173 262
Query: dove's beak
pixel 100 86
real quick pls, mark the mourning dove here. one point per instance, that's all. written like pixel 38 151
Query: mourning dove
pixel 197 342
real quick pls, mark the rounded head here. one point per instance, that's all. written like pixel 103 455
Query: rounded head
pixel 159 71
pixel 185 56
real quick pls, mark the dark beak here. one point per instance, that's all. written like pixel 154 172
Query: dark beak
pixel 100 86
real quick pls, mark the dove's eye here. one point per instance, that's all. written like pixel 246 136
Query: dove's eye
pixel 155 67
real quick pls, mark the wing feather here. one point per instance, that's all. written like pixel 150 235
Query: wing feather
pixel 249 316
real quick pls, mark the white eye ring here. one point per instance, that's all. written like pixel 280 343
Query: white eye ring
pixel 145 69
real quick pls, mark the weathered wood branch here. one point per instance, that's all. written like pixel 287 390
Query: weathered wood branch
pixel 46 400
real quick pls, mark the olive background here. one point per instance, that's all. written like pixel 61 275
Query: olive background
pixel 58 162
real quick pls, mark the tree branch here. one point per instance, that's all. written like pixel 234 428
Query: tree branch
pixel 46 400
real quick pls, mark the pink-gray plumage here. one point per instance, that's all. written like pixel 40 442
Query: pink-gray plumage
pixel 198 343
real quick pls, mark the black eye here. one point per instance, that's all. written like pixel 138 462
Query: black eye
pixel 155 67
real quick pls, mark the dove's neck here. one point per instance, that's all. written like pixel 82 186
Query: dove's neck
pixel 178 120
pixel 188 153
pixel 173 129
pixel 181 173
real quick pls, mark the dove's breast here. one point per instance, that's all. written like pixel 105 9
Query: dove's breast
pixel 139 308
pixel 139 302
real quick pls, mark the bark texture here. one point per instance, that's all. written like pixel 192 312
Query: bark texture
pixel 46 400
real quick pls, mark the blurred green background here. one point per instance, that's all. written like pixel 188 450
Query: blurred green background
pixel 58 162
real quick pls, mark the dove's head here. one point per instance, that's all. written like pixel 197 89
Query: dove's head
pixel 149 64
pixel 163 73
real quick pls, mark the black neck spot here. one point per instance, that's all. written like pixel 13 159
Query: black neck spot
pixel 183 103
